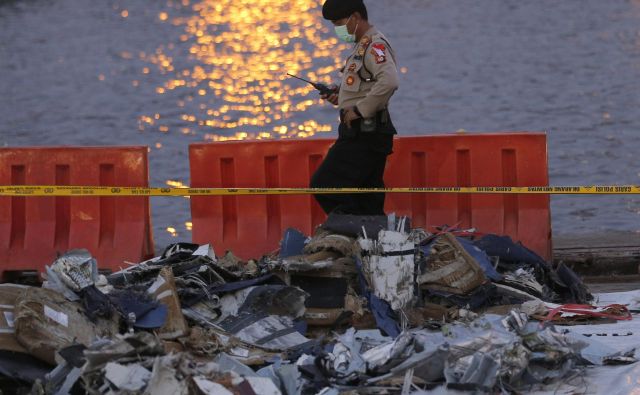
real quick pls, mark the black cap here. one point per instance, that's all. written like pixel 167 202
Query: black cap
pixel 334 10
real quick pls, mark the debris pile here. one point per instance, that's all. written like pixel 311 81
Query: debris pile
pixel 366 304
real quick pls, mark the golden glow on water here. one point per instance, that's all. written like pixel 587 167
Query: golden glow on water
pixel 228 71
pixel 222 75
pixel 176 184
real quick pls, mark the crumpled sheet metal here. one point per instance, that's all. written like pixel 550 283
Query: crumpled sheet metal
pixel 121 365
pixel 432 357
pixel 478 369
pixel 509 251
pixel 193 266
pixel 261 385
pixel 54 282
pixel 277 333
pixel 290 379
pixel 524 280
pixel 618 338
pixel 130 378
pixel 476 299
pixel 255 322
pixel 208 387
pixel 77 269
pixel 262 316
pixel 138 364
pixel 217 291
pixel 475 356
pixel 388 265
pixel 600 353
pixel 163 380
pixel 165 375
pixel 567 287
pixel 385 356
pixel 492 352
pixel 514 293
pixel 188 249
pixel 135 345
pixel 75 275
pixel 428 364
pixel 353 357
pixel 485 361
pixel 231 303
pixel 345 359
pixel 228 364
pixel 281 300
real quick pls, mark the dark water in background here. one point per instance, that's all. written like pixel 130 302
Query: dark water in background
pixel 165 75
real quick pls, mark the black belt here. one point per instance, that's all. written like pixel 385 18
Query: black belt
pixel 379 123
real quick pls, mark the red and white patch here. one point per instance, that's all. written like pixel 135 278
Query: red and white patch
pixel 378 50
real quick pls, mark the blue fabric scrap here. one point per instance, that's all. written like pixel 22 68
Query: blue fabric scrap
pixel 292 243
pixel 479 297
pixel 154 318
pixel 509 251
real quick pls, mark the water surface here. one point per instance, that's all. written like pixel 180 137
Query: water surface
pixel 166 74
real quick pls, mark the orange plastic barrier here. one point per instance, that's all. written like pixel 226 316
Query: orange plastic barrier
pixel 251 226
pixel 35 230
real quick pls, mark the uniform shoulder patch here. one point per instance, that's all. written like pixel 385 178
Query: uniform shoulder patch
pixel 378 50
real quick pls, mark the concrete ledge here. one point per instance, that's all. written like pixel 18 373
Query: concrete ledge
pixel 604 254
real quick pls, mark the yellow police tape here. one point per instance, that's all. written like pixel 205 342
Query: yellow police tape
pixel 53 190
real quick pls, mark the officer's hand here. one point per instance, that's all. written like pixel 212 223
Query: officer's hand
pixel 349 116
pixel 332 98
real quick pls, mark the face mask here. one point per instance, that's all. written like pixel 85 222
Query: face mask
pixel 343 33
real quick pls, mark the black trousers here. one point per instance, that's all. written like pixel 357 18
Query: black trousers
pixel 357 162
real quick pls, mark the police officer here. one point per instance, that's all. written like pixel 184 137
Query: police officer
pixel 365 136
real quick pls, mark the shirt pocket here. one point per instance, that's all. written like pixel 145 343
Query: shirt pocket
pixel 351 80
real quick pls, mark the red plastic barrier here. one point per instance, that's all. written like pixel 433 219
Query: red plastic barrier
pixel 34 230
pixel 252 225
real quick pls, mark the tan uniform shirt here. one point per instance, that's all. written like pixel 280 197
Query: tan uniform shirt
pixel 370 76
